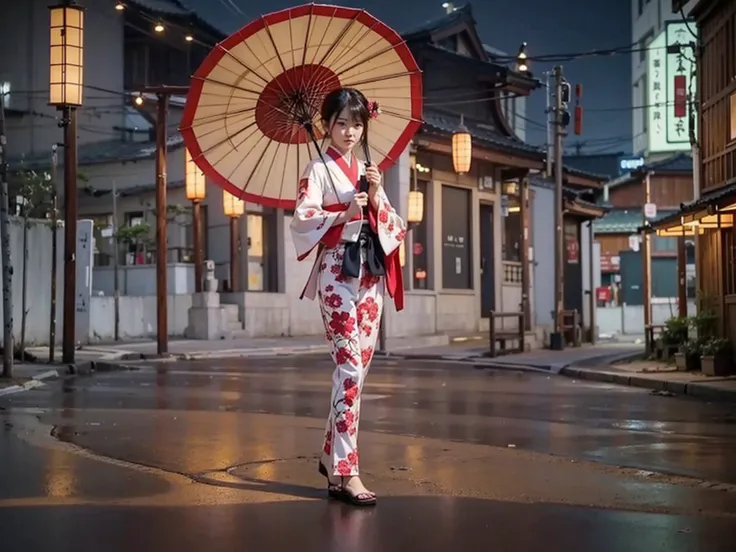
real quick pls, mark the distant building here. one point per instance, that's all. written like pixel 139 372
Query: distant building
pixel 649 27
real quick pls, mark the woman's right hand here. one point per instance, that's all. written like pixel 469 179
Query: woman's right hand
pixel 359 201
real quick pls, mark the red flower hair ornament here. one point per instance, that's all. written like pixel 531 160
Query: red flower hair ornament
pixel 374 109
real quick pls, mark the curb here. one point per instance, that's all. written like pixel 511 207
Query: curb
pixel 699 390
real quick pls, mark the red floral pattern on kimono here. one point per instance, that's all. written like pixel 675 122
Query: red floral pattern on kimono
pixel 351 308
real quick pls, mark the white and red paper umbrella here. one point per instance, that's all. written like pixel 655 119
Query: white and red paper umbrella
pixel 256 95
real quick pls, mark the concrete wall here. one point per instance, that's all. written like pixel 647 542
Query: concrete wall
pixel 140 280
pixel 543 240
pixel 630 319
pixel 39 281
pixel 137 317
pixel 24 39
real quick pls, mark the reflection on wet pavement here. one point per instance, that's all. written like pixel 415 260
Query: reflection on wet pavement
pixel 248 430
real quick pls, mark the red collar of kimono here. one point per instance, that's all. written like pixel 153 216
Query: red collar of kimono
pixel 351 171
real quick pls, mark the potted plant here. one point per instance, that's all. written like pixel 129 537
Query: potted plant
pixel 674 335
pixel 688 356
pixel 715 357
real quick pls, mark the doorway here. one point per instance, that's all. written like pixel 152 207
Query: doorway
pixel 487 264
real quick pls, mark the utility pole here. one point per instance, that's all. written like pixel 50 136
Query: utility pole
pixel 116 259
pixel 562 119
pixel 54 254
pixel 69 342
pixel 550 128
pixel 5 244
pixel 647 263
pixel 162 331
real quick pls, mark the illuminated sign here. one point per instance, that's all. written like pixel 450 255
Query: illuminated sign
pixel 670 88
pixel 628 164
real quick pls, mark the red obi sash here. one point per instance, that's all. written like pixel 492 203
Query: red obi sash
pixel 394 273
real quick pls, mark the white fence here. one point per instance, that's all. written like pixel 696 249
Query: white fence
pixel 629 319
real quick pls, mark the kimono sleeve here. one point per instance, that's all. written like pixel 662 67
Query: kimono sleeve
pixel 311 223
pixel 389 226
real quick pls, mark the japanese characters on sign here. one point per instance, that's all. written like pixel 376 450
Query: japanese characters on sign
pixel 671 88
pixel 680 81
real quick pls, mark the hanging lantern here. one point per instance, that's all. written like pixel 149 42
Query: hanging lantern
pixel 416 207
pixel 402 254
pixel 66 58
pixel 462 148
pixel 194 179
pixel 231 205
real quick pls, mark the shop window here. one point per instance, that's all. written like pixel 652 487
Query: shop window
pixel 420 245
pixel 512 227
pixel 456 244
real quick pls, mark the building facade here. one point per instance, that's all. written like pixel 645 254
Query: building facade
pixel 472 253
pixel 650 20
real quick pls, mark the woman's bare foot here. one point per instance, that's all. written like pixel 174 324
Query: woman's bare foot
pixel 355 486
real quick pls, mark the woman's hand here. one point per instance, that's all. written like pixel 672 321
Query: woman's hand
pixel 373 175
pixel 359 201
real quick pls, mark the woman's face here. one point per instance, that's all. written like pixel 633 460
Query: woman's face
pixel 345 132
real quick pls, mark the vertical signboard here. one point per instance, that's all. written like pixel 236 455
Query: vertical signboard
pixel 670 88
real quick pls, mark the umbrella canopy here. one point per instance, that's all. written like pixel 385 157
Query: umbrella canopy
pixel 257 95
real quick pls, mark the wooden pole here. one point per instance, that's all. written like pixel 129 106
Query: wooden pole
pixel 5 246
pixel 70 234
pixel 54 253
pixel 525 277
pixel 681 277
pixel 647 264
pixel 198 253
pixel 234 255
pixel 559 220
pixel 162 333
pixel 591 277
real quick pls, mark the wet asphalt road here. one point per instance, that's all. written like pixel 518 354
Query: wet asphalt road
pixel 219 455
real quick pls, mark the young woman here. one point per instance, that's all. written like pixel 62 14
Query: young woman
pixel 357 235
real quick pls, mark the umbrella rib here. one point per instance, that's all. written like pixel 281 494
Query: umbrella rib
pixel 216 116
pixel 383 78
pixel 306 36
pixel 270 168
pixel 340 68
pixel 278 55
pixel 378 68
pixel 241 62
pixel 307 83
pixel 348 49
pixel 227 85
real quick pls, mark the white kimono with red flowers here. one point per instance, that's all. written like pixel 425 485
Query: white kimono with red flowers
pixel 351 306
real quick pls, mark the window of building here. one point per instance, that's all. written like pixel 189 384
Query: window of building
pixel 512 226
pixel 732 124
pixel 456 246
pixel 420 245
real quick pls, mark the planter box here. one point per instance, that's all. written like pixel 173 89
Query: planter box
pixel 716 365
pixel 687 362
pixel 668 352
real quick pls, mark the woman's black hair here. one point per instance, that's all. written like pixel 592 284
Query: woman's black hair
pixel 356 103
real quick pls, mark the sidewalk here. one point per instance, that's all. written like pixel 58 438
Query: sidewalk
pixel 662 379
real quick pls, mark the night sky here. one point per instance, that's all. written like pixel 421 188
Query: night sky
pixel 548 26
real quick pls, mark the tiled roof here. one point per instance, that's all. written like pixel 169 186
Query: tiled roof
pixel 707 198
pixel 604 164
pixel 678 163
pixel 623 221
pixel 444 123
pixel 102 152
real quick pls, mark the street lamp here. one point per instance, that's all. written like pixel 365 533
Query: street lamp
pixel 66 71
pixel 462 148
pixel 195 187
pixel 234 208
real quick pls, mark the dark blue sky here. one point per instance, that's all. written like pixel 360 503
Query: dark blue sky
pixel 549 27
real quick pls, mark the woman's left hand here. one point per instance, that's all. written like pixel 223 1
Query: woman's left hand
pixel 373 175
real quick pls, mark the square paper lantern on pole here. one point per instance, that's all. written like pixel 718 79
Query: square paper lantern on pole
pixel 416 207
pixel 462 148
pixel 194 179
pixel 66 62
pixel 232 206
